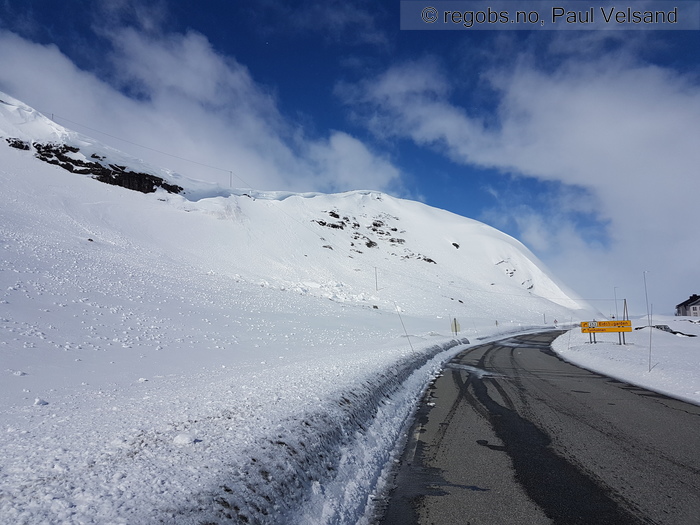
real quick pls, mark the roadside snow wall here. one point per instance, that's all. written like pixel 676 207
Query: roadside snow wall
pixel 324 467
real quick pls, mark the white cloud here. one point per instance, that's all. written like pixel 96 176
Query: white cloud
pixel 625 131
pixel 187 99
pixel 351 162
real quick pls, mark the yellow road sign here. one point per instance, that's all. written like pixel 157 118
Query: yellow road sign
pixel 606 326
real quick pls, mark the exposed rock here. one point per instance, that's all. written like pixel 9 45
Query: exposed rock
pixel 376 234
pixel 19 144
pixel 60 155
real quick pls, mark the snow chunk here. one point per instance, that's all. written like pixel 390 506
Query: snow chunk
pixel 184 439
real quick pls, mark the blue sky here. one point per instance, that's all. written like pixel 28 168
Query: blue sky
pixel 582 144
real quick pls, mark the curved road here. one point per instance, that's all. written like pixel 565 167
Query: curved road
pixel 512 434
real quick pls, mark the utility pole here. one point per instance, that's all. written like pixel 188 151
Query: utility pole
pixel 625 315
pixel 650 331
pixel 646 295
pixel 617 317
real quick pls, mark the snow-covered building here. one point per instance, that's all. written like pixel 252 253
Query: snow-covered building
pixel 690 307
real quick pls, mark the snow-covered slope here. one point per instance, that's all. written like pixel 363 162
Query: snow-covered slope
pixel 187 354
pixel 350 246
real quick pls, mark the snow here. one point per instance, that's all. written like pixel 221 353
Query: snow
pixel 667 363
pixel 232 355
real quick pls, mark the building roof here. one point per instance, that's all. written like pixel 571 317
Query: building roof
pixel 693 299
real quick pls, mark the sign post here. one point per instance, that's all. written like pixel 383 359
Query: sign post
pixel 455 326
pixel 596 327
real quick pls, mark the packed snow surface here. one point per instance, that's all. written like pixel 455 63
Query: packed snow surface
pixel 221 355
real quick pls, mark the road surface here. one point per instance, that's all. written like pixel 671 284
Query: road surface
pixel 512 434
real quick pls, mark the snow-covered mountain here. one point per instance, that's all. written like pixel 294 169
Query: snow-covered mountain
pixel 173 351
pixel 360 246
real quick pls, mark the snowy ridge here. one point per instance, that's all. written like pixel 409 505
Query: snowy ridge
pixel 24 128
pixel 214 355
pixel 17 120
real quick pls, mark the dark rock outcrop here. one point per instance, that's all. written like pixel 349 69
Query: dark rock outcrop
pixel 60 155
pixel 19 144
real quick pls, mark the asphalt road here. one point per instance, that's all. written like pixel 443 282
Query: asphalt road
pixel 511 434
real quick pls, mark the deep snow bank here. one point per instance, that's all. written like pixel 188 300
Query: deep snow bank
pixel 324 467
